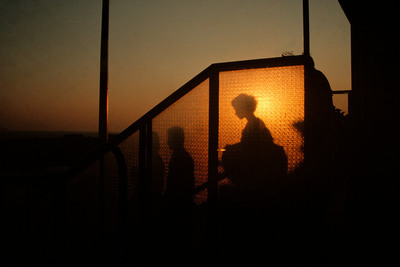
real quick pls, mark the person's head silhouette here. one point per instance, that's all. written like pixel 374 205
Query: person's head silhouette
pixel 176 138
pixel 244 106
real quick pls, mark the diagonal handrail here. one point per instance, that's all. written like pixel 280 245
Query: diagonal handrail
pixel 206 73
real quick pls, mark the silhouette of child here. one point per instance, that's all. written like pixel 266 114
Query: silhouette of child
pixel 256 162
pixel 179 194
pixel 180 181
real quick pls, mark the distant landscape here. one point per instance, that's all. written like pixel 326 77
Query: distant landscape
pixel 6 134
pixel 27 152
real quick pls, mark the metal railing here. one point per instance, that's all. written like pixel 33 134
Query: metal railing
pixel 124 189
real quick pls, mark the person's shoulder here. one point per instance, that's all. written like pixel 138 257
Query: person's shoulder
pixel 319 79
pixel 260 121
pixel 187 156
pixel 260 124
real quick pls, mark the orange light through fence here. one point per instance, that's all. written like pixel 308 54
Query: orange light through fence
pixel 279 92
pixel 191 114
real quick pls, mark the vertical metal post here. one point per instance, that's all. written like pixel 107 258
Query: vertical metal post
pixel 213 161
pixel 213 138
pixel 306 28
pixel 308 67
pixel 147 183
pixel 122 190
pixel 149 161
pixel 144 223
pixel 103 105
pixel 142 166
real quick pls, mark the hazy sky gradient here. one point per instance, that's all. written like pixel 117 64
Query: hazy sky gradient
pixel 50 52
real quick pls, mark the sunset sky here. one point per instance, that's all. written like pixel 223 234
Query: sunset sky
pixel 50 52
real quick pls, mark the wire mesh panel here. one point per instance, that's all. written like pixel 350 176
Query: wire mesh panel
pixel 182 127
pixel 261 113
pixel 130 149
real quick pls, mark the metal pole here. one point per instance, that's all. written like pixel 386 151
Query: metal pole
pixel 306 28
pixel 103 105
pixel 212 229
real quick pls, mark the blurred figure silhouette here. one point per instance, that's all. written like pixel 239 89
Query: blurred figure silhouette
pixel 179 192
pixel 180 181
pixel 158 170
pixel 320 114
pixel 255 164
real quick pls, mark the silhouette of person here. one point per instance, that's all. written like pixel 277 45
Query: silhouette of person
pixel 320 112
pixel 158 171
pixel 179 191
pixel 180 181
pixel 256 163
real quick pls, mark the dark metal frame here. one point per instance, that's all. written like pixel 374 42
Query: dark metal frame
pixel 144 124
pixel 202 76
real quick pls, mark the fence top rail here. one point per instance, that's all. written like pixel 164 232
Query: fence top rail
pixel 260 63
pixel 341 92
pixel 202 76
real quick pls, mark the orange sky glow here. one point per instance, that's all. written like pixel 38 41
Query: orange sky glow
pixel 50 53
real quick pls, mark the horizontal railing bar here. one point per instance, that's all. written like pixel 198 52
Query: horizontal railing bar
pixel 175 96
pixel 341 92
pixel 202 76
pixel 260 63
pixel 226 66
